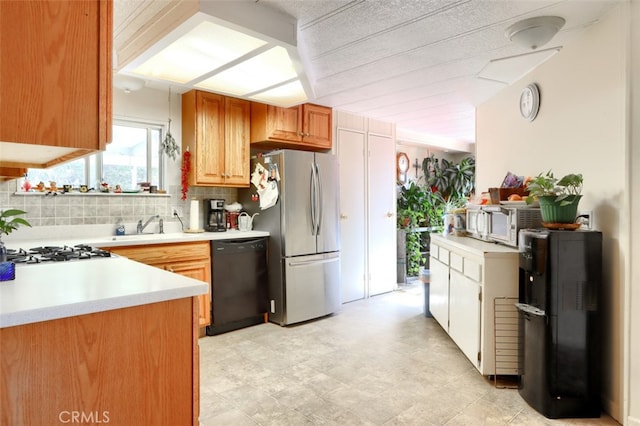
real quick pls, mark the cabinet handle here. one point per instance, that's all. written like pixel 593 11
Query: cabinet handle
pixel 170 269
pixel 300 133
pixel 344 216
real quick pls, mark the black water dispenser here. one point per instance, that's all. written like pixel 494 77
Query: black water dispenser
pixel 559 327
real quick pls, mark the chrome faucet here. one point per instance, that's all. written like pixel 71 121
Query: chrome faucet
pixel 141 227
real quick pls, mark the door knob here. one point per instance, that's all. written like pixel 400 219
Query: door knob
pixel 389 214
pixel 343 216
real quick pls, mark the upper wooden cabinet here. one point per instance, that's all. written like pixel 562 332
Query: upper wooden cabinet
pixel 215 129
pixel 55 80
pixel 306 127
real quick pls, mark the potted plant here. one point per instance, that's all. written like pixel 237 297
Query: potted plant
pixel 411 214
pixel 558 198
pixel 9 223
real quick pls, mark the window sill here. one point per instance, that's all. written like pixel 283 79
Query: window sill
pixel 91 194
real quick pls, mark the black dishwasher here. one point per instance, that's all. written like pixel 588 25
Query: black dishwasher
pixel 239 284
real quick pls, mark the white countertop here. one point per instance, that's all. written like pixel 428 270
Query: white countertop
pixel 468 243
pixel 48 291
pixel 55 290
pixel 132 240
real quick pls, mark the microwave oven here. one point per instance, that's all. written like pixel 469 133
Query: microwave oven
pixel 477 222
pixel 501 224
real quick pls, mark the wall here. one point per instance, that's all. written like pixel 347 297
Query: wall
pixel 632 329
pixel 147 105
pixel 581 128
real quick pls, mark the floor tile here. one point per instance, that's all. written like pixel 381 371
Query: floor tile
pixel 379 361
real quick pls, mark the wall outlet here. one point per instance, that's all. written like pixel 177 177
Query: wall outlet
pixel 176 210
pixel 585 219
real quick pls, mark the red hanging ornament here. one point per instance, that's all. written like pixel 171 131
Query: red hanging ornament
pixel 186 166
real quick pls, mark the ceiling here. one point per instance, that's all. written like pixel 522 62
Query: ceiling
pixel 421 64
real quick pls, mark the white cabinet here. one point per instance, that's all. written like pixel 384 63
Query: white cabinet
pixel 366 153
pixel 464 313
pixel 467 278
pixel 439 291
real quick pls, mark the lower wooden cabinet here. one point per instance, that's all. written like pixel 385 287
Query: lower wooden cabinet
pixel 191 259
pixel 467 279
pixel 130 366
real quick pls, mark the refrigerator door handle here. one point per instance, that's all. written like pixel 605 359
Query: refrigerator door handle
pixel 312 198
pixel 319 200
pixel 313 262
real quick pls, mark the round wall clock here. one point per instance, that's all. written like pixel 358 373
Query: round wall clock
pixel 402 165
pixel 530 101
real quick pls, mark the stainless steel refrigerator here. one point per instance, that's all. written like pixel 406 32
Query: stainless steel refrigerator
pixel 304 228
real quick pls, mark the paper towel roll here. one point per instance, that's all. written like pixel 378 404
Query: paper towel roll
pixel 194 214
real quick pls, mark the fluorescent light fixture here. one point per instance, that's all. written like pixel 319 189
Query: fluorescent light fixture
pixel 265 70
pixel 205 47
pixel 288 94
pixel 244 53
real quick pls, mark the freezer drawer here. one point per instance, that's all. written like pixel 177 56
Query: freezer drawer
pixel 312 287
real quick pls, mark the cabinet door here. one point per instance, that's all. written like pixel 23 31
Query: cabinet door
pixel 55 79
pixel 353 213
pixel 464 315
pixel 439 292
pixel 199 270
pixel 236 142
pixel 382 213
pixel 285 123
pixel 316 126
pixel 208 164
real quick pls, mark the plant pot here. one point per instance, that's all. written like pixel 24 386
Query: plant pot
pixel 553 212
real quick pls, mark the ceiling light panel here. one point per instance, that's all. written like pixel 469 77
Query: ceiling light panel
pixel 206 47
pixel 287 94
pixel 268 69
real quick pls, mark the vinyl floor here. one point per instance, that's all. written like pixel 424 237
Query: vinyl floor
pixel 379 361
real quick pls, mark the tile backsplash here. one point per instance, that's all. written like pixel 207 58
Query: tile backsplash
pixel 91 209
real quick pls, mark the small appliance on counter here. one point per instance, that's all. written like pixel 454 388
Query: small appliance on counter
pixel 214 215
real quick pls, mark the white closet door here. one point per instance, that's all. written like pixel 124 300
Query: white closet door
pixel 351 156
pixel 382 215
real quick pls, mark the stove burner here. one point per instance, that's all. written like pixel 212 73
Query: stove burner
pixel 21 256
pixel 55 254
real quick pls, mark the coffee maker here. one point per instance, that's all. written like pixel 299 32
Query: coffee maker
pixel 214 218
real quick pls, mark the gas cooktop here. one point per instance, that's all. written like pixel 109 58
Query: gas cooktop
pixel 55 254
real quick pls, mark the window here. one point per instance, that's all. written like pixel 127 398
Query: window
pixel 132 157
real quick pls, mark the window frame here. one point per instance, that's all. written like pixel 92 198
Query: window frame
pixel 93 163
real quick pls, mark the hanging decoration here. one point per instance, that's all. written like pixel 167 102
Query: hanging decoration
pixel 169 145
pixel 186 167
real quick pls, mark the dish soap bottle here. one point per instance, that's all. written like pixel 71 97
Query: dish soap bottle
pixel 120 230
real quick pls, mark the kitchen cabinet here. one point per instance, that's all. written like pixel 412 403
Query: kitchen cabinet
pixel 305 127
pixel 131 366
pixel 439 286
pixel 215 129
pixel 467 278
pixel 55 81
pixel 192 259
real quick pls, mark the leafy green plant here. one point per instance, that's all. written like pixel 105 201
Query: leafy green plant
pixel 410 206
pixel 454 181
pixel 9 222
pixel 548 185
